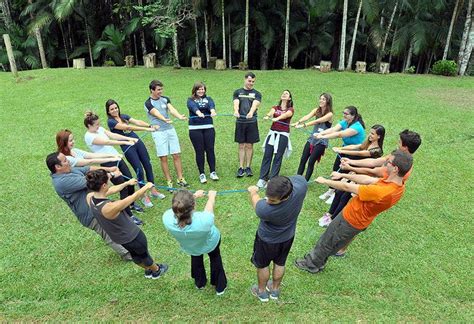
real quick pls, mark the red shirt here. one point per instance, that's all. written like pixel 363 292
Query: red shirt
pixel 282 125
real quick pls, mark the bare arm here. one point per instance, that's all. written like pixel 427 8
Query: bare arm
pixel 375 172
pixel 254 108
pixel 142 127
pixel 339 185
pixel 368 163
pixel 269 114
pixel 357 178
pixel 103 141
pixel 211 201
pixel 175 112
pixel 236 107
pixel 285 115
pixel 112 209
pixel 323 119
pixel 117 188
pixel 85 162
pixel 119 137
pixel 154 112
pixel 363 153
pixel 337 134
pixel 254 197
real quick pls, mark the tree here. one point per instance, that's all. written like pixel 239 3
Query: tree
pixel 354 36
pixel 37 33
pixel 464 51
pixel 448 38
pixel 287 35
pixel 223 30
pixel 246 41
pixel 342 49
pixel 5 13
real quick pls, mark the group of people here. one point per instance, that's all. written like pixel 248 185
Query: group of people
pixel 363 183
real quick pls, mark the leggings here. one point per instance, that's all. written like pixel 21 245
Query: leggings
pixel 128 190
pixel 340 201
pixel 203 141
pixel 277 159
pixel 138 249
pixel 314 156
pixel 138 157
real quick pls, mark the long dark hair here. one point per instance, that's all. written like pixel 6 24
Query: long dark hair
pixel 290 102
pixel 320 112
pixel 183 205
pixel 357 117
pixel 380 131
pixel 196 87
pixel 109 103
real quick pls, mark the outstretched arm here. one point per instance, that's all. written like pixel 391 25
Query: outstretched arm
pixel 254 197
pixel 112 209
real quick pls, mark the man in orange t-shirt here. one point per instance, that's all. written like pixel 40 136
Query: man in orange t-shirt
pixel 374 195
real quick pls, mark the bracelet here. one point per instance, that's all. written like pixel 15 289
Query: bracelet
pixel 112 175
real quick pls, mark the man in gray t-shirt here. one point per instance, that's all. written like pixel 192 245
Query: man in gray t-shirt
pixel 278 213
pixel 70 184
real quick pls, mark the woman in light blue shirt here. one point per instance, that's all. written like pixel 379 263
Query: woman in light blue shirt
pixel 196 234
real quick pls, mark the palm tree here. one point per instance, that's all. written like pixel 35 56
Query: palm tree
pixel 5 13
pixel 287 34
pixel 142 32
pixel 112 44
pixel 223 30
pixel 246 41
pixel 465 49
pixel 37 33
pixel 354 36
pixel 448 38
pixel 342 49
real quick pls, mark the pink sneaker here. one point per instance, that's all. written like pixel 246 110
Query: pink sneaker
pixel 325 220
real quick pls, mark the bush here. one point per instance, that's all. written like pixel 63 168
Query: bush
pixel 410 70
pixel 445 67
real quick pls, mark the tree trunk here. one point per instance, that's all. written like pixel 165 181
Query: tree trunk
pixel 230 44
pixel 65 43
pixel 465 34
pixel 39 40
pixel 342 49
pixel 175 48
pixel 287 35
pixel 88 35
pixel 354 36
pixel 246 41
pixel 451 26
pixel 467 52
pixel 196 36
pixel 223 32
pixel 7 16
pixel 381 53
pixel 142 33
pixel 206 39
pixel 264 59
pixel 410 54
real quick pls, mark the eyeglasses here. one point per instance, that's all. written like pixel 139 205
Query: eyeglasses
pixel 345 113
pixel 387 162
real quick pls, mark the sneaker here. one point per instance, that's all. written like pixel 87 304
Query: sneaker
pixel 326 195
pixel 148 273
pixel 220 293
pixel 169 183
pixel 302 265
pixel 330 199
pixel 147 202
pixel 200 288
pixel 240 173
pixel 274 294
pixel 136 208
pixel 127 257
pixel 156 194
pixel 261 183
pixel 262 296
pixel 202 178
pixel 182 183
pixel 136 220
pixel 161 271
pixel 325 220
pixel 249 172
pixel 213 176
pixel 340 254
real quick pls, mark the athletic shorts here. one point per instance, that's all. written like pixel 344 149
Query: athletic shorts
pixel 166 142
pixel 264 253
pixel 246 133
pixel 138 249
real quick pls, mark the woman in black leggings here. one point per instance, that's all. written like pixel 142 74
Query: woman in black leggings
pixel 201 130
pixel 314 148
pixel 137 154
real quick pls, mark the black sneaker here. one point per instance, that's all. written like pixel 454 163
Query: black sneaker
pixel 161 271
pixel 136 220
pixel 136 208
pixel 240 173
pixel 249 172
pixel 148 273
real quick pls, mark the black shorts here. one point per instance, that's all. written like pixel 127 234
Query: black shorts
pixel 246 133
pixel 138 249
pixel 264 253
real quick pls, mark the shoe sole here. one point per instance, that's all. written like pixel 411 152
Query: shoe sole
pixel 306 269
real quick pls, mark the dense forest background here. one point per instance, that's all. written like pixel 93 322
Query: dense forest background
pixel 409 34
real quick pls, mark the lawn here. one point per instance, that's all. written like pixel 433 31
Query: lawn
pixel 413 264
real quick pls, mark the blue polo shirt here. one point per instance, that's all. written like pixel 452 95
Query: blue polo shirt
pixel 197 238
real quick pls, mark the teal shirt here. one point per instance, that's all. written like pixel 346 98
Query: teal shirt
pixel 197 238
pixel 354 139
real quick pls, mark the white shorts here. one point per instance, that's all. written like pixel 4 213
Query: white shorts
pixel 166 142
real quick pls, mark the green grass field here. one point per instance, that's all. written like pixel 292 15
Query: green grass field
pixel 413 264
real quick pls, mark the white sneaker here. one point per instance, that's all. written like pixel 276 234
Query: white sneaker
pixel 261 183
pixel 213 176
pixel 330 199
pixel 202 178
pixel 325 220
pixel 147 202
pixel 325 196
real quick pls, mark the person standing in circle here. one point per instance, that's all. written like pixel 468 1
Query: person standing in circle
pixel 246 102
pixel 201 129
pixel 277 142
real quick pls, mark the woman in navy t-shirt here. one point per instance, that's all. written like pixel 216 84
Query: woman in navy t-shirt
pixel 201 129
pixel 137 155
pixel 277 141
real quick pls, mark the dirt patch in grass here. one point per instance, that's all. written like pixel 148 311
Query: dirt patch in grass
pixel 457 98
